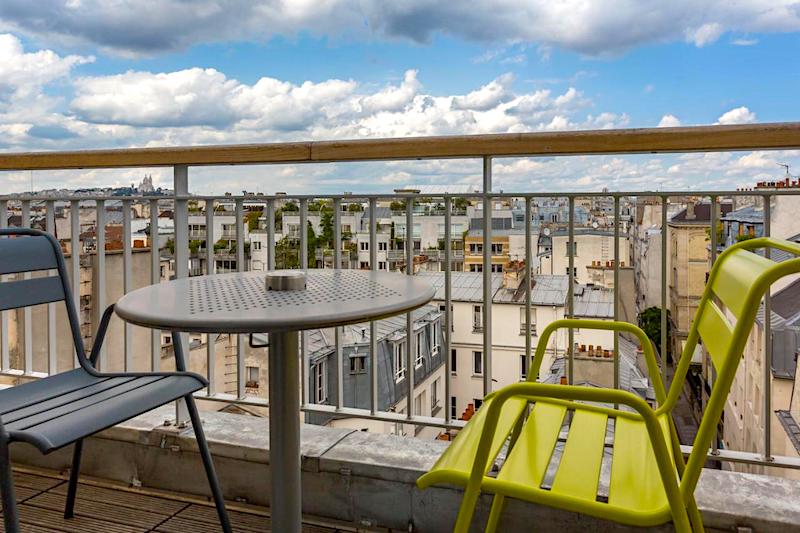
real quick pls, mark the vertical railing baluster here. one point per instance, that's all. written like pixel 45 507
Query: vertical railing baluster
pixel 211 267
pixel 373 325
pixel 180 176
pixel 27 320
pixel 487 275
pixel 767 368
pixel 5 356
pixel 155 278
pixel 337 265
pixel 712 370
pixel 664 285
pixel 616 289
pixel 100 275
pixel 528 281
pixel 410 345
pixel 127 279
pixel 271 248
pixel 75 261
pixel 52 354
pixel 304 368
pixel 448 245
pixel 304 233
pixel 241 392
pixel 570 288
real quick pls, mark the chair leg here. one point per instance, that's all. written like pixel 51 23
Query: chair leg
pixel 494 515
pixel 466 510
pixel 10 513
pixel 72 487
pixel 694 516
pixel 208 463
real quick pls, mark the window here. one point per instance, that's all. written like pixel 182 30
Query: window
pixel 475 248
pixel 399 361
pixel 531 330
pixel 497 249
pixel 434 329
pixel 435 395
pixel 478 403
pixel 251 373
pixel 418 359
pixel 381 265
pixel 256 246
pixel 574 271
pixel 574 248
pixel 476 267
pixel 477 318
pixel 453 409
pixel 383 246
pixel 453 360
pixel 363 265
pixel 497 268
pixel 419 401
pixel 477 363
pixel 358 364
pixel 346 228
pixel 319 384
pixel 523 367
pixel 364 246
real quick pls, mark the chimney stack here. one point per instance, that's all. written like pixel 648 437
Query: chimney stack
pixel 690 211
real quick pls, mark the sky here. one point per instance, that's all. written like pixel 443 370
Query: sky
pixel 89 74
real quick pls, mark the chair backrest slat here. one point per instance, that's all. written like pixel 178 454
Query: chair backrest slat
pixel 716 332
pixel 22 293
pixel 26 254
pixel 734 280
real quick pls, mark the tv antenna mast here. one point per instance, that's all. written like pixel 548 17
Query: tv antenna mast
pixel 786 168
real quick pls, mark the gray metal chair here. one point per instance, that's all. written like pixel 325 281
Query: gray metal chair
pixel 64 408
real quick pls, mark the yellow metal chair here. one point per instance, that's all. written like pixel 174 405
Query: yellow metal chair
pixel 650 483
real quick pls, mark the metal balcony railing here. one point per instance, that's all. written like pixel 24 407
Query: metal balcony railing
pixel 485 148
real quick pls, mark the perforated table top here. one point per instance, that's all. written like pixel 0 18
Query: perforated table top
pixel 239 302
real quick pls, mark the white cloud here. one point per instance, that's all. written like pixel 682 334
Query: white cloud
pixel 706 34
pixel 744 42
pixel 145 27
pixel 669 121
pixel 488 96
pixel 740 115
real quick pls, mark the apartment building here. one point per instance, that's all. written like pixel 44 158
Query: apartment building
pixel 509 364
pixel 743 422
pixel 593 253
pixel 392 371
pixel 689 239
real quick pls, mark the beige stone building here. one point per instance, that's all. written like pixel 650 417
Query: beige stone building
pixel 688 242
pixel 744 425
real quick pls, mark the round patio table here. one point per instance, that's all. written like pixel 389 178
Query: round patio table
pixel 241 303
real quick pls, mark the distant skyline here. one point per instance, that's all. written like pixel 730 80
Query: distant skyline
pixel 83 74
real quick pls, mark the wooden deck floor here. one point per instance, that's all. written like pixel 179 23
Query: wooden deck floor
pixel 106 508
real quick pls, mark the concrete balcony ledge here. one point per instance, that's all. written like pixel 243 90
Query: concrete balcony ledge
pixel 367 479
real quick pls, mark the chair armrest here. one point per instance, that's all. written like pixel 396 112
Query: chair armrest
pixel 623 327
pixel 100 335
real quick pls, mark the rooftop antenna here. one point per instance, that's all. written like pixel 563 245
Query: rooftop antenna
pixel 786 167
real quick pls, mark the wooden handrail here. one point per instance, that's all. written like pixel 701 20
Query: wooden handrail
pixel 623 141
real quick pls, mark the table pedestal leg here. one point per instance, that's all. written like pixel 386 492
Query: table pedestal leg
pixel 284 431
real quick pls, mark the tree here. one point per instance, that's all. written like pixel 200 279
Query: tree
pixel 355 208
pixel 326 229
pixel 252 219
pixel 650 322
pixel 460 203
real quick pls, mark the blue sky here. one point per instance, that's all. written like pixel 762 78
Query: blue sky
pixel 83 74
